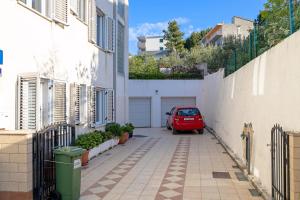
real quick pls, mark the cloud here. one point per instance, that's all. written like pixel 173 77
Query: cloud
pixel 151 29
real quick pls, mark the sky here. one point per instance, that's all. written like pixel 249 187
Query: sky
pixel 150 17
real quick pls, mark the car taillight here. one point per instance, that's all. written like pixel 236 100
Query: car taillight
pixel 200 118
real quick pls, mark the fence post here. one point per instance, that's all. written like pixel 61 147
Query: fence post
pixel 255 39
pixel 292 16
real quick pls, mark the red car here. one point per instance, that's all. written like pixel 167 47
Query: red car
pixel 185 118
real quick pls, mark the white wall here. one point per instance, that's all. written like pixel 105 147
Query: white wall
pixel 166 88
pixel 154 44
pixel 33 43
pixel 263 92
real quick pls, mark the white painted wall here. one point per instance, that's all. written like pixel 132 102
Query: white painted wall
pixel 166 88
pixel 33 43
pixel 263 92
pixel 154 44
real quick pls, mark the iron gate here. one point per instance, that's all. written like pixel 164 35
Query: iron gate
pixel 280 164
pixel 43 143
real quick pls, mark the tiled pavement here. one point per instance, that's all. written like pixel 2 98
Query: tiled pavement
pixel 165 166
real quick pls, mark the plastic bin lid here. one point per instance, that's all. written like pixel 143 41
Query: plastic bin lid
pixel 69 151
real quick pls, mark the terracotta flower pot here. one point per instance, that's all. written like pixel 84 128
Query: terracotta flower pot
pixel 85 158
pixel 124 138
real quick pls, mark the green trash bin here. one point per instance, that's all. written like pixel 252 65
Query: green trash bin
pixel 68 172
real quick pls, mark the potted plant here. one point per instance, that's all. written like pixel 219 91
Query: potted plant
pixel 131 128
pixel 84 142
pixel 115 129
pixel 124 134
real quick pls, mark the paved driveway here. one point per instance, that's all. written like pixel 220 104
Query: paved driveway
pixel 165 166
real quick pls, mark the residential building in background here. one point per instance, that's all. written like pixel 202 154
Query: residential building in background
pixel 239 27
pixel 63 63
pixel 152 45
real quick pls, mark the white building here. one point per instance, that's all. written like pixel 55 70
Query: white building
pixel 152 45
pixel 239 27
pixel 64 60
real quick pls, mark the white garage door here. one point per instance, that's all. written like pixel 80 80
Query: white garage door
pixel 140 112
pixel 167 103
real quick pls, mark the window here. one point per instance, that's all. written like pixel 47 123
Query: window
pixel 121 8
pixel 40 102
pixel 161 48
pixel 101 29
pixel 82 10
pixel 101 104
pixel 161 40
pixel 120 48
pixel 42 6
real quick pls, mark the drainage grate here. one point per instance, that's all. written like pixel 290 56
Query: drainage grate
pixel 139 136
pixel 213 138
pixel 240 176
pixel 221 175
pixel 235 167
pixel 254 193
pixel 225 152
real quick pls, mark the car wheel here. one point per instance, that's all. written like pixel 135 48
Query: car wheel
pixel 200 131
pixel 174 131
pixel 168 126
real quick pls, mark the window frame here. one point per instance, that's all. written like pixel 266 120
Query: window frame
pixel 101 104
pixel 101 27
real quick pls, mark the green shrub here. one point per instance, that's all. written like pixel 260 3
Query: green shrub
pixel 89 140
pixel 114 128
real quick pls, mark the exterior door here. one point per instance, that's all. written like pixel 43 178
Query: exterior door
pixel 140 112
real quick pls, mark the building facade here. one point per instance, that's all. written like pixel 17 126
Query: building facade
pixel 152 45
pixel 64 61
pixel 239 28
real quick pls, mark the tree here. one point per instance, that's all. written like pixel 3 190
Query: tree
pixel 174 37
pixel 195 39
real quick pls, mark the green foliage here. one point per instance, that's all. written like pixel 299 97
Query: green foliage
pixel 195 38
pixel 89 140
pixel 93 139
pixel 114 128
pixel 174 37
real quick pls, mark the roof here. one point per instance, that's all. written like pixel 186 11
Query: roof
pixel 212 31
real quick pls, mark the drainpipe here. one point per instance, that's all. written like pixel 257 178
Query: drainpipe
pixel 115 60
pixel 292 18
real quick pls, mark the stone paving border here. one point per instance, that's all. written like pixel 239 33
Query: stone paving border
pixel 172 185
pixel 104 185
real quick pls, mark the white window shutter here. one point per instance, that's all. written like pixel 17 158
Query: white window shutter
pixel 74 6
pixel 92 21
pixel 110 34
pixel 28 102
pixel 60 11
pixel 92 106
pixel 74 104
pixel 110 105
pixel 59 107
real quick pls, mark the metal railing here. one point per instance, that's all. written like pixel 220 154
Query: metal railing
pixel 43 144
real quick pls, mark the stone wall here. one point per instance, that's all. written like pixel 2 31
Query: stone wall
pixel 15 165
pixel 295 165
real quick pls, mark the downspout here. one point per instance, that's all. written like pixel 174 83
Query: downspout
pixel 115 61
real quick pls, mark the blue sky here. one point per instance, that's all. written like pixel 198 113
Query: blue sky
pixel 150 17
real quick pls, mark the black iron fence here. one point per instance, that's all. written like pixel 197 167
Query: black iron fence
pixel 44 142
pixel 280 164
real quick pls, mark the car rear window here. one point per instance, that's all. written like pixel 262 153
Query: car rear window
pixel 188 112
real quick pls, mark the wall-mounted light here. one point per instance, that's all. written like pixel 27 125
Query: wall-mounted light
pixel 156 92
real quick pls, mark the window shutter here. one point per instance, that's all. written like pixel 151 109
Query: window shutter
pixel 60 11
pixel 74 104
pixel 110 34
pixel 92 106
pixel 59 107
pixel 74 6
pixel 92 21
pixel 27 102
pixel 110 105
